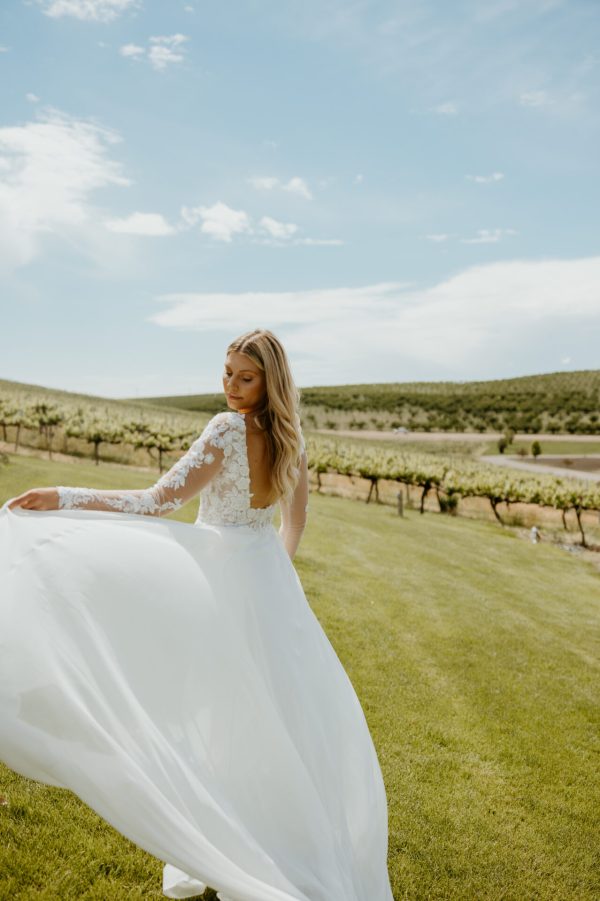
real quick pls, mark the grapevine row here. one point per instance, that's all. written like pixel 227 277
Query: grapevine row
pixel 97 426
pixel 452 478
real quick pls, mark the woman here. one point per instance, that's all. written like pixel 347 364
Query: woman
pixel 175 677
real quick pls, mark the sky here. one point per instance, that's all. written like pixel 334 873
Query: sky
pixel 400 191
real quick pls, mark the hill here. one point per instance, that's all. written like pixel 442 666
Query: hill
pixel 551 402
pixel 10 390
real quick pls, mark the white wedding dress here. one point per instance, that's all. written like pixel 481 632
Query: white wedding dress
pixel 176 679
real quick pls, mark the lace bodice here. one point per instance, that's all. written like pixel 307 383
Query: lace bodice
pixel 216 466
pixel 226 499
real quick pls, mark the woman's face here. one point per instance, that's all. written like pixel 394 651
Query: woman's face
pixel 243 382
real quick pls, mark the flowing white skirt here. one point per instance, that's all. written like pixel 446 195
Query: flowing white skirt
pixel 176 679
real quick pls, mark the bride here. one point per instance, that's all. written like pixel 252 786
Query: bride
pixel 174 676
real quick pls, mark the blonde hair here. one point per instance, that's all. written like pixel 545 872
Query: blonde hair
pixel 279 414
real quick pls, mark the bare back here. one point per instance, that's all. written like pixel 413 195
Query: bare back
pixel 258 468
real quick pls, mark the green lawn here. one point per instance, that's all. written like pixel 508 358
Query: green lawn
pixel 468 447
pixel 476 658
pixel 568 447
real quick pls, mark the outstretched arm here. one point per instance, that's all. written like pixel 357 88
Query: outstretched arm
pixel 294 512
pixel 181 483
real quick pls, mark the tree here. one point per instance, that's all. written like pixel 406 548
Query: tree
pixel 536 449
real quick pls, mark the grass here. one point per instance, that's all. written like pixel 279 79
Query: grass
pixel 568 447
pixel 441 446
pixel 469 447
pixel 475 656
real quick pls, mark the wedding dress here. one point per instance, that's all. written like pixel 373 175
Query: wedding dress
pixel 175 678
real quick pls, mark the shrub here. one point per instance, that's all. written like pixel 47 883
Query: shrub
pixel 448 503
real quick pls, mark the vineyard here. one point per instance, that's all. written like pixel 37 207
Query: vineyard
pixel 75 423
pixel 451 479
pixel 555 402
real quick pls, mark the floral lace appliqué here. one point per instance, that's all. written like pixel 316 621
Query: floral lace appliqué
pixel 161 498
pixel 144 503
pixel 226 498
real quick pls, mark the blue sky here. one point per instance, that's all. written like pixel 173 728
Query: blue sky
pixel 399 190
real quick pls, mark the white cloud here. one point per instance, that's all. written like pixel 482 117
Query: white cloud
pixel 87 10
pixel 446 109
pixel 484 236
pixel 161 52
pixel 166 50
pixel 33 98
pixel 207 311
pixel 468 321
pixel 277 229
pixel 49 169
pixel 223 223
pixel 534 98
pixel 486 179
pixel 220 221
pixel 358 178
pixel 132 50
pixel 319 241
pixel 152 224
pixel 487 236
pixel 4 49
pixel 264 183
pixel 295 185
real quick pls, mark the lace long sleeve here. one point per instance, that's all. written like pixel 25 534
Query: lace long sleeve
pixel 181 483
pixel 294 512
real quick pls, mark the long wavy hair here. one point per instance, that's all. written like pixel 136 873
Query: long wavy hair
pixel 279 414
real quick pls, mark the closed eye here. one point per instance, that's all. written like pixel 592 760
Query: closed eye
pixel 244 379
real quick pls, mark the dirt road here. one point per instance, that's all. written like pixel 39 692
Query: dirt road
pixel 539 467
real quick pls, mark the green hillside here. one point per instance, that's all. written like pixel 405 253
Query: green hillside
pixel 10 390
pixel 557 402
pixel 553 402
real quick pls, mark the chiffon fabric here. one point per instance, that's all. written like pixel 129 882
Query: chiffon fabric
pixel 176 679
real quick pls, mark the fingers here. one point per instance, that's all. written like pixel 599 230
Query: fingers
pixel 25 501
pixel 35 499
